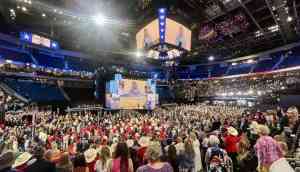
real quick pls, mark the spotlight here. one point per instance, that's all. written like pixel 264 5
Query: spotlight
pixel 162 30
pixel 54 45
pixel 211 58
pixel 162 17
pixel 234 64
pixel 289 19
pixel 162 23
pixel 43 15
pixel 162 10
pixel 224 94
pixel 24 9
pixel 162 37
pixel 250 61
pixel 9 61
pixel 259 93
pixel 138 54
pixel 99 19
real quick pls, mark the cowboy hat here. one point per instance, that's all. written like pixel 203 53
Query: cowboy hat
pixel 232 131
pixel 22 159
pixel 7 159
pixel 90 155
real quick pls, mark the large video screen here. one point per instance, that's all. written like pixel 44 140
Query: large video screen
pixel 177 34
pixel 148 35
pixel 131 94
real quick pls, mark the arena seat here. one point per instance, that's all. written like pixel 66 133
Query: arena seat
pixel 78 64
pixel 35 92
pixel 240 69
pixel 9 54
pixel 291 60
pixel 49 61
pixel 218 70
pixel 200 72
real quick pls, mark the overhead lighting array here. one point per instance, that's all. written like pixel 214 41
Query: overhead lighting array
pixel 211 58
pixel 162 13
pixel 274 28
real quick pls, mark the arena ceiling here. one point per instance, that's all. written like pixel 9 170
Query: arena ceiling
pixel 222 28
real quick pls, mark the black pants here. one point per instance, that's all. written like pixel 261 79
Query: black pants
pixel 233 157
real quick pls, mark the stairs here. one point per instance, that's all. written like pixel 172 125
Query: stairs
pixel 12 92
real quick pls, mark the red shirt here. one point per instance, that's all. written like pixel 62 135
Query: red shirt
pixel 231 143
pixel 141 152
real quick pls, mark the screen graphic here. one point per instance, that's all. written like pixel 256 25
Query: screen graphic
pixel 131 94
pixel 148 36
pixel 177 34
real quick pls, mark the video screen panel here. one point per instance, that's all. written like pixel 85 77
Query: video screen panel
pixel 148 35
pixel 39 40
pixel 177 34
pixel 131 94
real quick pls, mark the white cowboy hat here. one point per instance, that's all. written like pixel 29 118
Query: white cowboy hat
pixel 254 127
pixel 22 159
pixel 232 131
pixel 90 155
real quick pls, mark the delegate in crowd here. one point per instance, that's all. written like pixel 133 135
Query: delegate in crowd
pixel 189 138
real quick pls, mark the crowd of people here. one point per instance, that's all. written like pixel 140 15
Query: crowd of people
pixel 188 138
pixel 242 86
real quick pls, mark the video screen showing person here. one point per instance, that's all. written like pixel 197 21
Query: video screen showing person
pixel 177 34
pixel 131 94
pixel 148 35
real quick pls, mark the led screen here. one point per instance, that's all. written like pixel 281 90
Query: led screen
pixel 148 35
pixel 39 40
pixel 177 34
pixel 131 94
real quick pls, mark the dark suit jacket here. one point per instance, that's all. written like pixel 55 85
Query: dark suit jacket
pixel 41 166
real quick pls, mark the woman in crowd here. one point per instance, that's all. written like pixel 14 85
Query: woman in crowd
pixel 215 157
pixel 64 164
pixel 121 161
pixel 267 149
pixel 80 164
pixel 172 158
pixel 102 163
pixel 196 145
pixel 247 160
pixel 186 157
pixel 153 155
